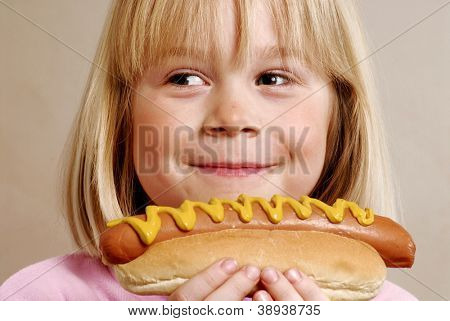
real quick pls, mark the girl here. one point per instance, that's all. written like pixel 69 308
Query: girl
pixel 199 99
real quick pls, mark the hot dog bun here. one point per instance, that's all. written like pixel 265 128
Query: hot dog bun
pixel 344 268
pixel 344 248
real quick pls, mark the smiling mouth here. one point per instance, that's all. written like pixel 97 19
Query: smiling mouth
pixel 233 169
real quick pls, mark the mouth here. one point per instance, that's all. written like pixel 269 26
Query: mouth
pixel 233 169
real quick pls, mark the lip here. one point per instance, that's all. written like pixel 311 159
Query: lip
pixel 233 169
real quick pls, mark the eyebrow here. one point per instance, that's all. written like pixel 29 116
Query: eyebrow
pixel 264 53
pixel 271 52
pixel 184 52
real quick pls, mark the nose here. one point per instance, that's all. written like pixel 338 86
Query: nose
pixel 232 119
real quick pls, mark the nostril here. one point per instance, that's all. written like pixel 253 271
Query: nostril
pixel 229 130
pixel 219 129
pixel 213 130
pixel 250 132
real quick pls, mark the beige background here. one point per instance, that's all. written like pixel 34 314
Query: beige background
pixel 42 79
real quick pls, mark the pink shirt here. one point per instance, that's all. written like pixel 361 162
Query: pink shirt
pixel 81 277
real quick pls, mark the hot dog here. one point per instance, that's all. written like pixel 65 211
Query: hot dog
pixel 189 238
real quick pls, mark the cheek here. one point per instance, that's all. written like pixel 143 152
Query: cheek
pixel 309 126
pixel 152 133
pixel 158 137
pixel 311 150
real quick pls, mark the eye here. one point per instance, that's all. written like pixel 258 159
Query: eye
pixel 185 79
pixel 273 79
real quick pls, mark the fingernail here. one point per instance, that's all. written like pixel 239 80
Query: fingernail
pixel 252 272
pixel 262 297
pixel 293 275
pixel 229 265
pixel 269 275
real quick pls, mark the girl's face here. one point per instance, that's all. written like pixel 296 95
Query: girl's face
pixel 204 129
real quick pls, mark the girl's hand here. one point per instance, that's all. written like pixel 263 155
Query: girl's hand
pixel 222 280
pixel 290 286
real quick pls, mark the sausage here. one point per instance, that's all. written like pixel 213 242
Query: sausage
pixel 121 244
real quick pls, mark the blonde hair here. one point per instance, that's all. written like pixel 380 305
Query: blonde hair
pixel 100 182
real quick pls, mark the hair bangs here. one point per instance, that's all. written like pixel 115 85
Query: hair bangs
pixel 314 33
pixel 186 28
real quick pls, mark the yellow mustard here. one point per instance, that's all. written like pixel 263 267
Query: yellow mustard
pixel 185 215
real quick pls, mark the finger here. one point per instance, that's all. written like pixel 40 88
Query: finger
pixel 262 295
pixel 278 286
pixel 306 286
pixel 237 286
pixel 203 283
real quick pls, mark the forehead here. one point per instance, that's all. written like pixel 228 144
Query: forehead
pixel 261 36
pixel 233 36
pixel 232 33
pixel 263 31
